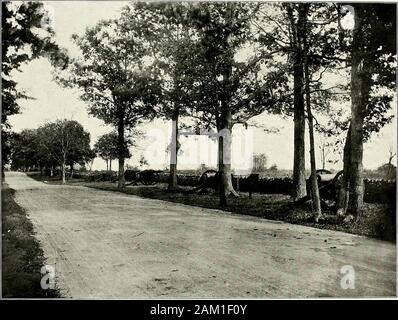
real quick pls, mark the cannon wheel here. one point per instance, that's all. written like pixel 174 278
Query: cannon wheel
pixel 337 180
pixel 323 171
pixel 206 175
pixel 149 178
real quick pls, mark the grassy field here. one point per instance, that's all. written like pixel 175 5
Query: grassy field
pixel 378 220
pixel 22 256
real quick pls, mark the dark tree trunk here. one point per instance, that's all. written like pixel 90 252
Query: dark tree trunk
pixel 121 146
pixel 174 146
pixel 359 93
pixel 343 196
pixel 299 183
pixel 224 156
pixel 110 165
pixel 221 183
pixel 71 171
pixel 316 201
pixel 107 166
pixel 224 125
pixel 63 173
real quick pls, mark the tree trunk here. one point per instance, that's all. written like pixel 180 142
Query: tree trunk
pixel 359 90
pixel 323 158
pixel 224 125
pixel 63 172
pixel 316 201
pixel 221 181
pixel 174 146
pixel 110 165
pixel 299 183
pixel 71 171
pixel 120 132
pixel 224 157
pixel 107 166
pixel 343 196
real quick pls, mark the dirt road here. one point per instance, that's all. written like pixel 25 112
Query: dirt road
pixel 111 245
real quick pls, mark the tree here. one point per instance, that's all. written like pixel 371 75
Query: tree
pixel 114 79
pixel 143 161
pixel 388 171
pixel 80 153
pixel 373 60
pixel 172 44
pixel 228 91
pixel 316 200
pixel 24 150
pixel 297 34
pixel 284 29
pixel 259 162
pixel 66 142
pixel 106 148
pixel 26 35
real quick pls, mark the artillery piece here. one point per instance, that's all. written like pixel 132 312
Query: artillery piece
pixel 146 177
pixel 209 180
pixel 328 183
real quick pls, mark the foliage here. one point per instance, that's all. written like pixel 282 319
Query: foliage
pixel 65 141
pixel 171 45
pixel 112 75
pixel 106 147
pixel 25 149
pixel 259 162
pixel 222 81
pixel 26 35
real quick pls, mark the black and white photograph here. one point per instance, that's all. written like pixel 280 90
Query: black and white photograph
pixel 198 150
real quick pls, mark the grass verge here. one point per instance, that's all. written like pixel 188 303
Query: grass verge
pixel 22 256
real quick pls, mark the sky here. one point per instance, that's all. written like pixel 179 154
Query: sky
pixel 54 102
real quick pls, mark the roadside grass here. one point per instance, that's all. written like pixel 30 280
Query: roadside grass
pixel 22 256
pixel 378 220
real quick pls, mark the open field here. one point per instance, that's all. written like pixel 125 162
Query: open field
pixel 107 244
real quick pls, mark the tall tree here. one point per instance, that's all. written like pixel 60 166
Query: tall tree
pixel 373 56
pixel 316 201
pixel 171 44
pixel 106 148
pixel 24 150
pixel 114 78
pixel 284 29
pixel 26 35
pixel 228 90
pixel 297 31
pixel 66 142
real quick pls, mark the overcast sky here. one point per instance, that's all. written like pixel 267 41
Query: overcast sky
pixel 53 102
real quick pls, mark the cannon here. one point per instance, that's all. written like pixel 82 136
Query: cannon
pixel 210 180
pixel 207 180
pixel 146 177
pixel 328 183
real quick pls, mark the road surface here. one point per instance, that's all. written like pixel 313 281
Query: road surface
pixel 111 245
